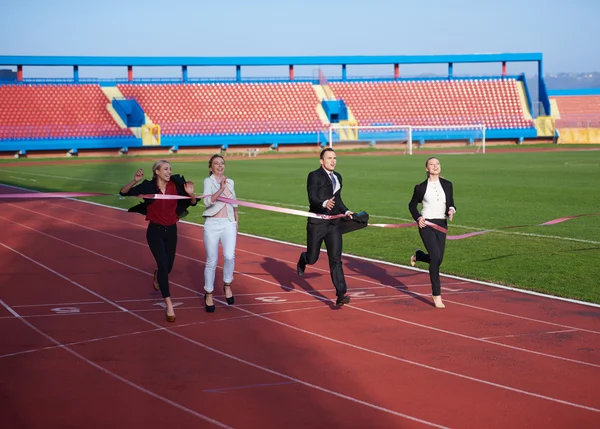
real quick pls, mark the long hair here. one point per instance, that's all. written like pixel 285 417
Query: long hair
pixel 210 161
pixel 158 164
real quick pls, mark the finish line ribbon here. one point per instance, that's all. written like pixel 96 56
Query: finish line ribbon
pixel 41 195
pixel 283 210
pixel 548 223
pixel 475 233
pixel 53 195
pixel 404 225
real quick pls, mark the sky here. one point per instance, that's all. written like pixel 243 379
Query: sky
pixel 566 33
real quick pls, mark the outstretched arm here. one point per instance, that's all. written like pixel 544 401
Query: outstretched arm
pixel 125 190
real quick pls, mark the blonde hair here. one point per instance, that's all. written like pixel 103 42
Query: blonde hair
pixel 157 165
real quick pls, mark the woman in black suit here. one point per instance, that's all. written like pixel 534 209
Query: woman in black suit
pixel 162 216
pixel 437 204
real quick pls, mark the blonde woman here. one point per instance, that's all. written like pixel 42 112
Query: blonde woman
pixel 162 217
pixel 436 196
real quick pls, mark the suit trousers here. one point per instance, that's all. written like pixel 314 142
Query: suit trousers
pixel 435 243
pixel 331 233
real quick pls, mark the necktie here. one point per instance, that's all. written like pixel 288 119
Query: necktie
pixel 332 176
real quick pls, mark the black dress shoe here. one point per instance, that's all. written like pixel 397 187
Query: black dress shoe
pixel 300 269
pixel 301 266
pixel 341 300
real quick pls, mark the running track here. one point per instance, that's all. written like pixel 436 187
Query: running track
pixel 85 343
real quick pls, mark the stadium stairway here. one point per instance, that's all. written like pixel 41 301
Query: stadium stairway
pixel 324 92
pixel 543 124
pixel 113 92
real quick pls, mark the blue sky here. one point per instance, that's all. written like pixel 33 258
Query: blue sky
pixel 567 33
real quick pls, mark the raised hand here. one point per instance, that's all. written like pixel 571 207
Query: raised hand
pixel 139 175
pixel 224 183
pixel 189 188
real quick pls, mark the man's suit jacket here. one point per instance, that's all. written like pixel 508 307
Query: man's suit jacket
pixel 419 193
pixel 320 188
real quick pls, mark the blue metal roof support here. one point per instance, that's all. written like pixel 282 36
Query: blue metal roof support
pixel 184 74
pixel 542 92
pixel 12 60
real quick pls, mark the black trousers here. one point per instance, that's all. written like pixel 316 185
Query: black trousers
pixel 317 232
pixel 162 241
pixel 435 243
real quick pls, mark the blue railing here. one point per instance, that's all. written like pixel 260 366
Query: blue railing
pixel 233 80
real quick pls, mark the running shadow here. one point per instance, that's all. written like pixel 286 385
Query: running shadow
pixel 380 274
pixel 288 279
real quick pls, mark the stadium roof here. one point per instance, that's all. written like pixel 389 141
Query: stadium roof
pixel 263 61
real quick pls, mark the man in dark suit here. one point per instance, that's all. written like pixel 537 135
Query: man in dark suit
pixel 324 187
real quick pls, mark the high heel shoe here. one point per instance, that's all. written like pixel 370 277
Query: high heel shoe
pixel 171 318
pixel 155 282
pixel 209 308
pixel 437 301
pixel 231 299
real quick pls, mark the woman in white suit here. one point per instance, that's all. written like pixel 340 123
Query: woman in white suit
pixel 220 225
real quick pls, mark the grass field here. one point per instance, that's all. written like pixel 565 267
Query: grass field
pixel 491 191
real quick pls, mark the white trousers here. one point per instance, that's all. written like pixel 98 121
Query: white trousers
pixel 225 231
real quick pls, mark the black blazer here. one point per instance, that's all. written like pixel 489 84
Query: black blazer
pixel 419 193
pixel 320 188
pixel 150 187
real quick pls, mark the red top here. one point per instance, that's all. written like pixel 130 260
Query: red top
pixel 163 212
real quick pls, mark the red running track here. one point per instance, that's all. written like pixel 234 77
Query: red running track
pixel 85 343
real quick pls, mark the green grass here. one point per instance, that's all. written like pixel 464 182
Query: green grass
pixel 491 191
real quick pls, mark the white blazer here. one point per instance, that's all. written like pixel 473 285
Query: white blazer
pixel 211 186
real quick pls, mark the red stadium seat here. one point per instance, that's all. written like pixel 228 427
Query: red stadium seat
pixel 41 111
pixel 435 102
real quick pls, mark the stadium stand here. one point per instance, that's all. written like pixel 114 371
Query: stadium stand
pixel 578 111
pixel 229 108
pixel 494 103
pixel 46 113
pixel 51 111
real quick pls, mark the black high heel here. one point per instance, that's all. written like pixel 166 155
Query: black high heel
pixel 231 299
pixel 209 308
